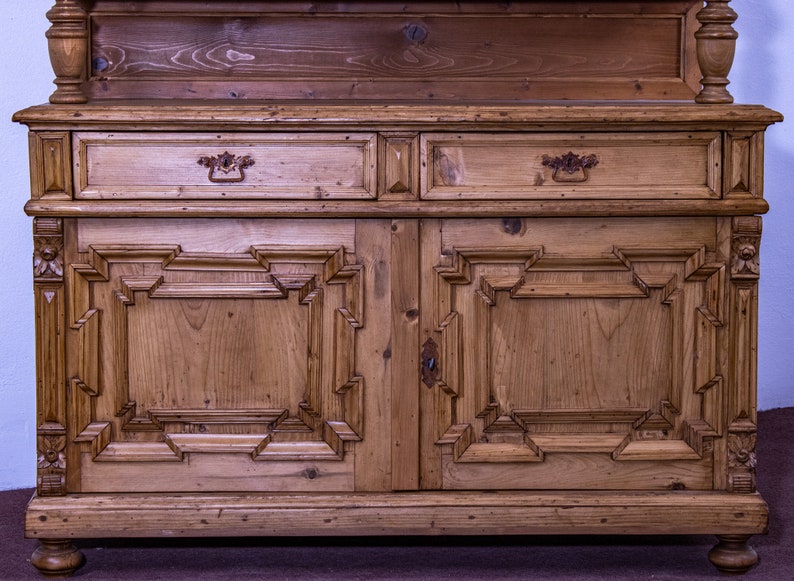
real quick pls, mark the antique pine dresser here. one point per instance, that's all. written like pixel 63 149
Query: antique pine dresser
pixel 401 268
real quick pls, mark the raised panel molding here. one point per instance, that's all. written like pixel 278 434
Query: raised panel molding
pixel 744 164
pixel 685 281
pixel 51 176
pixel 315 426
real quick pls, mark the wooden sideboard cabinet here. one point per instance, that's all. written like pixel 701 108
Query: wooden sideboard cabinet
pixel 385 268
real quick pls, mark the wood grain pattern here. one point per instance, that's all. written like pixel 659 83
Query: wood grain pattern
pixel 483 166
pixel 174 334
pixel 67 40
pixel 595 115
pixel 538 375
pixel 51 168
pixel 618 54
pixel 404 355
pixel 343 268
pixel 406 514
pixel 51 409
pixel 141 166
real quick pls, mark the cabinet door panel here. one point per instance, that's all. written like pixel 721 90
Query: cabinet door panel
pixel 561 354
pixel 219 362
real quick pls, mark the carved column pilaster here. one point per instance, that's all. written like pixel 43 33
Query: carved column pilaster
pixel 50 371
pixel 67 40
pixel 741 404
pixel 716 44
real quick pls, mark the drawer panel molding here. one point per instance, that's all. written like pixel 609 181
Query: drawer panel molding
pixel 225 166
pixel 468 166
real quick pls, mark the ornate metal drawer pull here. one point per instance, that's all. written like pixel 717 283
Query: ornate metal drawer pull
pixel 570 164
pixel 226 163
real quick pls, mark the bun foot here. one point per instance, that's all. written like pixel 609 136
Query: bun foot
pixel 57 558
pixel 732 555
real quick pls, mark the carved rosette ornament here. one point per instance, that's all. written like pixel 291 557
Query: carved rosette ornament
pixel 745 256
pixel 47 249
pixel 741 461
pixel 745 242
pixel 51 474
pixel 47 259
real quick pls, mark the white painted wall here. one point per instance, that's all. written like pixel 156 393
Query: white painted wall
pixel 25 79
pixel 761 74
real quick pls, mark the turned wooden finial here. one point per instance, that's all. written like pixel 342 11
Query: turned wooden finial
pixel 716 44
pixel 67 39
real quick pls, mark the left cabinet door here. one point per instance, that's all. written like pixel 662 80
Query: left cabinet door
pixel 225 355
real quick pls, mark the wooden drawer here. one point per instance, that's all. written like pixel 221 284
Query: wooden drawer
pixel 274 166
pixel 673 165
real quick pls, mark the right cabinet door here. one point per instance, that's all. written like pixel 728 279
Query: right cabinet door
pixel 572 353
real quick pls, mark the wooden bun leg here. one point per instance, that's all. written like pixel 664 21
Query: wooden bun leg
pixel 57 558
pixel 732 555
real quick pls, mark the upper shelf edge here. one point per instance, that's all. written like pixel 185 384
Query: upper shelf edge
pixel 262 115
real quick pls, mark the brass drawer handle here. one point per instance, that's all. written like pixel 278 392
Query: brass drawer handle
pixel 226 163
pixel 570 164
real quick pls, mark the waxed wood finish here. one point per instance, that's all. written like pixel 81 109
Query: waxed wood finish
pixel 637 165
pixel 136 165
pixel 396 51
pixel 401 513
pixel 345 269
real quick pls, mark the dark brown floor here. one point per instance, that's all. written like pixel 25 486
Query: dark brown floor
pixel 468 559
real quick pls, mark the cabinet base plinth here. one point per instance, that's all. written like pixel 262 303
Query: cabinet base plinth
pixel 399 513
pixel 733 517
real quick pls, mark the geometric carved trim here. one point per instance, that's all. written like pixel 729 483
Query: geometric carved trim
pixel 205 430
pixel 447 321
pixel 645 435
pixel 529 418
pixel 458 442
pixel 559 276
pixel 190 420
pixel 88 375
pixel 656 450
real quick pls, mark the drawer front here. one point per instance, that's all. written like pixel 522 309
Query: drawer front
pixel 273 166
pixel 553 166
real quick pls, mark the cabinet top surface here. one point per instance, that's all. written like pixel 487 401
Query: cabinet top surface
pixel 252 115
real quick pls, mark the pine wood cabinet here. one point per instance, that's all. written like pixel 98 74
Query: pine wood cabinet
pixel 403 281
